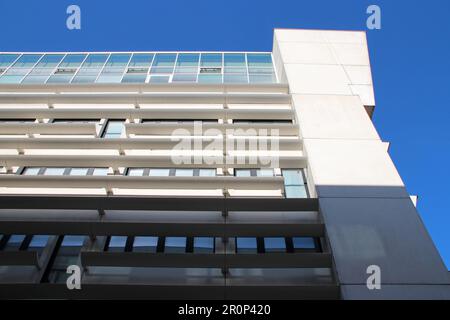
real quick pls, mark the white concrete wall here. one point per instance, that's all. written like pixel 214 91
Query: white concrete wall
pixel 343 146
pixel 325 62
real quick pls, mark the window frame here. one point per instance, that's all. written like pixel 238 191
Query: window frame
pixel 305 182
pixel 104 129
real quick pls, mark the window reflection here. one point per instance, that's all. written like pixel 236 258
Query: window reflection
pixel 183 67
pixel 67 253
pixel 175 245
pixel 294 183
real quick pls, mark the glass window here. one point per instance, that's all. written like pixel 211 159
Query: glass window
pixel 16 72
pixel 274 244
pixel 14 242
pixel 145 244
pixel 100 172
pixel 91 68
pixel 20 68
pixel 234 60
pixel 235 68
pixel 298 192
pixel 54 171
pixel 114 68
pixel 84 79
pixel 7 59
pixel 64 78
pixel 49 61
pixel 294 184
pixel 95 61
pixel 175 245
pixel 293 177
pixel 38 243
pixel 187 63
pixel 67 254
pixel 35 79
pixel 27 61
pixel 188 60
pixel 141 60
pixel 208 67
pixel 31 171
pixel 253 172
pixel 11 78
pixel 235 78
pixel 73 241
pixel 259 62
pixel 163 63
pixel 260 68
pixel 246 245
pixel 264 173
pixel 79 171
pixel 135 172
pixel 72 61
pixel 184 172
pixel 184 77
pixel 303 243
pixel 211 60
pixel 207 172
pixel 114 129
pixel 203 245
pixel 110 77
pixel 118 60
pixel 159 172
pixel 263 78
pixel 159 79
pixel 134 78
pixel 41 71
pixel 242 172
pixel 209 78
pixel 117 243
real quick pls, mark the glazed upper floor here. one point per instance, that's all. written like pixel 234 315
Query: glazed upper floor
pixel 137 67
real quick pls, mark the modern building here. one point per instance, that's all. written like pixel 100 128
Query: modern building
pixel 205 175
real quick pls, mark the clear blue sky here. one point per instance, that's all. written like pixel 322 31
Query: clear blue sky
pixel 410 61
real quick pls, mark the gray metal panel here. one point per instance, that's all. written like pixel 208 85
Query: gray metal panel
pixel 397 292
pixel 77 227
pixel 384 232
pixel 195 260
pixel 361 192
pixel 19 258
pixel 87 221
pixel 156 203
pixel 153 113
pixel 142 182
pixel 99 291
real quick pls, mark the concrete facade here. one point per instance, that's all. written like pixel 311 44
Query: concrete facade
pixel 88 177
pixel 369 215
